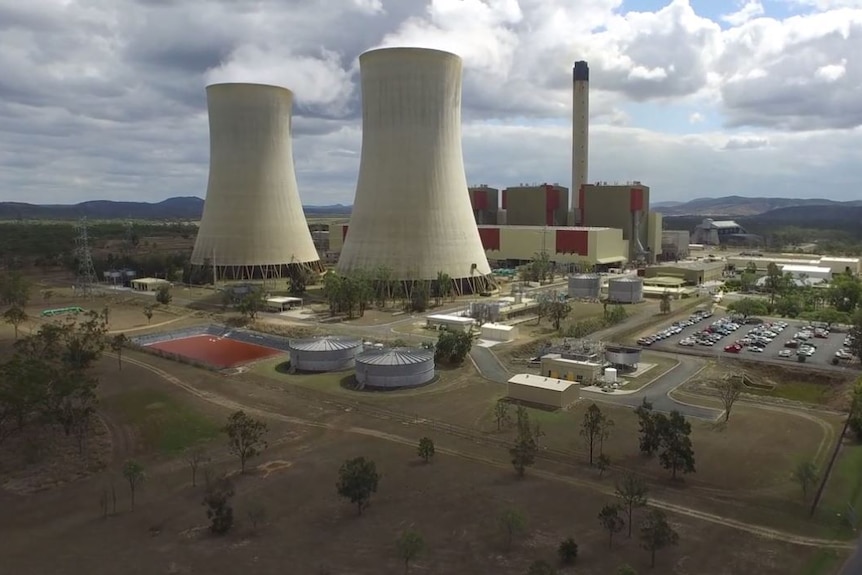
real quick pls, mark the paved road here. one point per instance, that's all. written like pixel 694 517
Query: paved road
pixel 853 565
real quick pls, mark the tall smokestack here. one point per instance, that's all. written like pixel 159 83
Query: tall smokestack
pixel 580 131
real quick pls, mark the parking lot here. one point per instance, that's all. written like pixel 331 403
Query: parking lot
pixel 772 351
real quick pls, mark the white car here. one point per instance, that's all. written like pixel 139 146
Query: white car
pixel 785 353
pixel 843 354
pixel 755 349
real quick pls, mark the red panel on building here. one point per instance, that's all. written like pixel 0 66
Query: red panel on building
pixel 343 233
pixel 504 200
pixel 581 206
pixel 490 238
pixel 552 203
pixel 479 199
pixel 573 242
pixel 637 199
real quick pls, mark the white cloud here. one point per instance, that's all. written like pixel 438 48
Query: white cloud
pixel 106 99
pixel 749 10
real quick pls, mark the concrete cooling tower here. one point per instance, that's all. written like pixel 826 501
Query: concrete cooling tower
pixel 412 211
pixel 253 225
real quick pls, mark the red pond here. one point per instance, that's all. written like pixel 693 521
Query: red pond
pixel 217 351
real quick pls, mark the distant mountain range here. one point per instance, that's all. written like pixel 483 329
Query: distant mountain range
pixel 185 208
pixel 738 206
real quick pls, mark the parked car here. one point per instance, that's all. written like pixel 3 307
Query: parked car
pixel 785 353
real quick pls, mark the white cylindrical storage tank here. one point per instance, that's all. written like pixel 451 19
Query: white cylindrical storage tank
pixel 628 289
pixel 623 356
pixel 610 375
pixel 394 368
pixel 585 286
pixel 330 353
pixel 253 224
pixel 412 212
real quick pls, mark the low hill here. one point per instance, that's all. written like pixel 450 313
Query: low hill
pixel 184 208
pixel 737 206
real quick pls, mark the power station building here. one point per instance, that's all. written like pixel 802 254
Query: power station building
pixel 412 211
pixel 580 132
pixel 253 225
pixel 536 205
pixel 485 202
pixel 514 245
pixel 625 207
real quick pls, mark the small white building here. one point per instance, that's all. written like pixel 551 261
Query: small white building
pixel 499 332
pixel 814 274
pixel 451 322
pixel 540 390
pixel 282 303
pixel 148 284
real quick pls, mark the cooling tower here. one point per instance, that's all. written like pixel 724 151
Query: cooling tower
pixel 253 225
pixel 580 132
pixel 412 211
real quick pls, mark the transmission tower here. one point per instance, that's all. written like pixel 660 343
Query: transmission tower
pixel 85 278
pixel 129 238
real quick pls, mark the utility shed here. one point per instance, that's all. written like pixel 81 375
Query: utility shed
pixel 450 322
pixel 546 391
pixel 499 332
pixel 149 284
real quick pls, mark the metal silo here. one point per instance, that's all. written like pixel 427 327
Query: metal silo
pixel 585 286
pixel 412 211
pixel 253 225
pixel 394 368
pixel 627 289
pixel 331 353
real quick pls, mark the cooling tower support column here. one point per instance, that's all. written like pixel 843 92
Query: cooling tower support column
pixel 253 225
pixel 412 212
pixel 580 133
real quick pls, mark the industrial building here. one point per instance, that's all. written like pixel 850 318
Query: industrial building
pixel 622 357
pixel 585 286
pixel 580 135
pixel 394 368
pixel 498 332
pixel 149 284
pixel 510 246
pixel 582 371
pixel 836 265
pixel 624 207
pixel 456 323
pixel 693 273
pixel 331 353
pixel 253 225
pixel 536 205
pixel 542 391
pixel 485 202
pixel 674 245
pixel 715 232
pixel 814 274
pixel 412 212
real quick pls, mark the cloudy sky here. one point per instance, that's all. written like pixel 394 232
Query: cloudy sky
pixel 104 99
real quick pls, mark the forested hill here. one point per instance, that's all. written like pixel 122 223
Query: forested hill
pixel 185 208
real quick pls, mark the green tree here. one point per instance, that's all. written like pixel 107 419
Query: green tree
pixel 453 347
pixel 148 312
pixel 557 311
pixel 665 303
pixel 163 294
pixel 217 501
pixel 300 279
pixel 611 521
pixel 592 428
pixel 118 342
pixel 357 481
pixel 426 449
pixel 501 414
pixel 251 304
pixel 14 289
pixel 856 334
pixel 632 493
pixel 648 435
pixel 675 450
pixel 409 547
pixel 524 450
pixel 855 416
pixel 133 472
pixel 245 436
pixel 195 456
pixel 657 534
pixel 845 293
pixel 15 316
pixel 729 389
pixel 568 551
pixel 442 287
pixel 747 307
pixel 603 462
pixel 777 283
pixel 513 524
pixel 806 475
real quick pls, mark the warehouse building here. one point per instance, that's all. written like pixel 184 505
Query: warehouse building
pixel 693 273
pixel 536 205
pixel 814 274
pixel 510 246
pixel 542 391
pixel 836 265
pixel 715 232
pixel 149 284
pixel 583 371
pixel 625 207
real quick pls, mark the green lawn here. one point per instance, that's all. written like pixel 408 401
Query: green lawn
pixel 165 424
pixel 826 562
pixel 815 393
